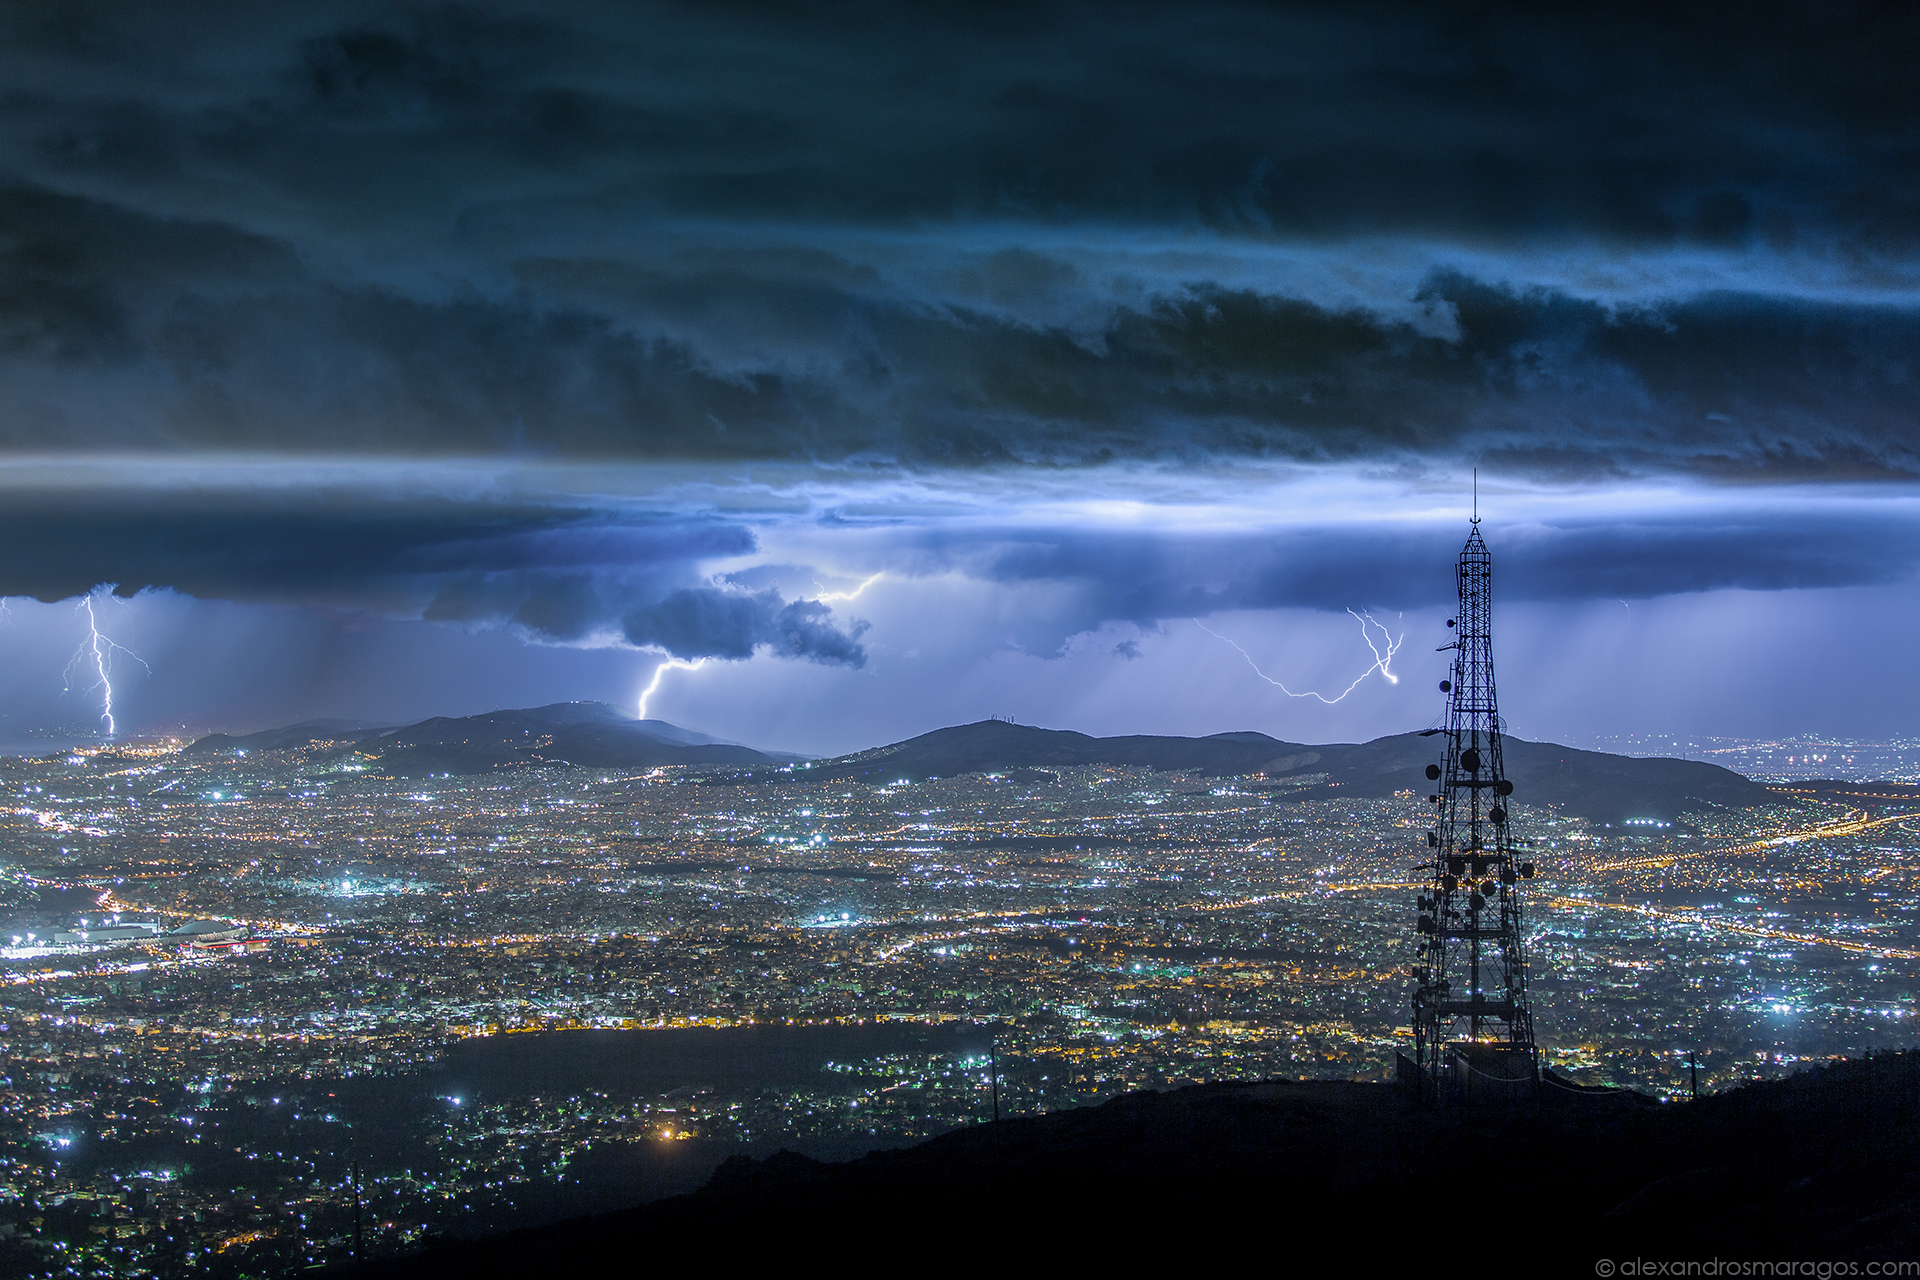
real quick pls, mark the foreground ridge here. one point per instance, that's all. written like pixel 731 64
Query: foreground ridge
pixel 1818 1165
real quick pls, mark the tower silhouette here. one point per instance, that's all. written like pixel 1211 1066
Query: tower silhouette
pixel 1472 1026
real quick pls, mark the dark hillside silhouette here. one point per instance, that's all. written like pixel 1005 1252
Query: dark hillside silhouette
pixel 1817 1166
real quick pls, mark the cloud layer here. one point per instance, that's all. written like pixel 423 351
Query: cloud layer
pixel 947 240
pixel 1003 298
pixel 553 575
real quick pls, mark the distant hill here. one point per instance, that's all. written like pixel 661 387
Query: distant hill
pixel 1586 784
pixel 1589 784
pixel 992 746
pixel 293 737
pixel 592 734
pixel 1816 1166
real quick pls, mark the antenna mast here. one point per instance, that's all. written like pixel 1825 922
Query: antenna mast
pixel 1472 1025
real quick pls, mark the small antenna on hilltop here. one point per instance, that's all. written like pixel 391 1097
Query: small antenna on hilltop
pixel 1476 495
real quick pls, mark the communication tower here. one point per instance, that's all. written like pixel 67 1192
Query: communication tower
pixel 1472 1027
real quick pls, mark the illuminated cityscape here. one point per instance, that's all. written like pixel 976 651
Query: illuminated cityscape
pixel 1780 759
pixel 228 977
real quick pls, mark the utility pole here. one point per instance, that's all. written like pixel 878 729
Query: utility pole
pixel 993 1075
pixel 1693 1070
pixel 1470 1001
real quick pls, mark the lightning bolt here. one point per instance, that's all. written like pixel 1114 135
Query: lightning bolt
pixel 671 664
pixel 1382 662
pixel 96 651
pixel 853 594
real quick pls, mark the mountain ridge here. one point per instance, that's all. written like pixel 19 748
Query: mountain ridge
pixel 1589 784
pixel 1819 1164
pixel 593 734
pixel 1594 785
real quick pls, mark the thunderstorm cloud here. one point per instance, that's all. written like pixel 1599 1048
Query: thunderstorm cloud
pixel 667 327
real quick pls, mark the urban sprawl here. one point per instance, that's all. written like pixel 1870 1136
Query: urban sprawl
pixel 242 995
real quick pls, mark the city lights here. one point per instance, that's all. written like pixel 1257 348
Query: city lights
pixel 1111 928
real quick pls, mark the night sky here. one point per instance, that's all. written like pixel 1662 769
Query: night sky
pixel 913 365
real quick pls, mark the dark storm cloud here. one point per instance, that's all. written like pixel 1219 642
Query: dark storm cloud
pixel 1533 380
pixel 554 576
pixel 1569 247
pixel 179 257
pixel 1503 120
pixel 1149 579
pixel 255 549
pixel 713 623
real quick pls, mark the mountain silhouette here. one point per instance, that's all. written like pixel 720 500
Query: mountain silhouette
pixel 1588 784
pixel 592 734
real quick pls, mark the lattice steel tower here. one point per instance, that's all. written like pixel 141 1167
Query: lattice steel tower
pixel 1470 1005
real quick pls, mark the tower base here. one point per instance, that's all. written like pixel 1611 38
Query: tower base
pixel 1491 1074
pixel 1473 1076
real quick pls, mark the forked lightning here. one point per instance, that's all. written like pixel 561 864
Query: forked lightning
pixel 1382 662
pixel 96 652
